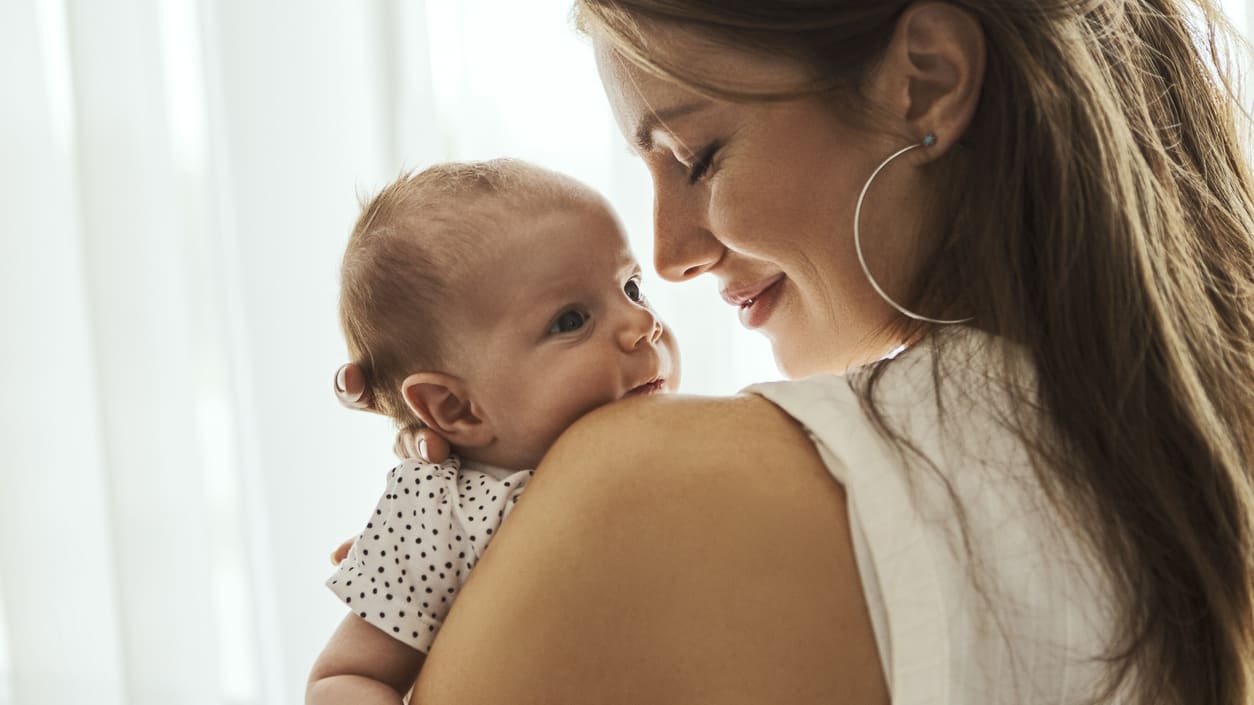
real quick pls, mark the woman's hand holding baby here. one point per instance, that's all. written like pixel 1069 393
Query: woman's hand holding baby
pixel 352 392
pixel 350 388
pixel 412 442
pixel 420 442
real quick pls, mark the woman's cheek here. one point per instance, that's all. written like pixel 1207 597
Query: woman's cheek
pixel 741 218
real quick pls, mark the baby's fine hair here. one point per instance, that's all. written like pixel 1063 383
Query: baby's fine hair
pixel 413 243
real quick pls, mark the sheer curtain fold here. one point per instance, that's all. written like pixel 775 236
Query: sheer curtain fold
pixel 132 200
pixel 57 568
pixel 178 180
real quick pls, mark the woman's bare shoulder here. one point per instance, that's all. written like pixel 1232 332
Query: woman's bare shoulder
pixel 725 432
pixel 668 550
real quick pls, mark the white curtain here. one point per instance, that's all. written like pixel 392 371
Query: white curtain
pixel 177 180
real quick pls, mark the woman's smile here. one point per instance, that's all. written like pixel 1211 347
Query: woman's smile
pixel 756 301
pixel 771 215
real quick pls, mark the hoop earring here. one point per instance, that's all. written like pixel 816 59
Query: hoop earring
pixel 928 141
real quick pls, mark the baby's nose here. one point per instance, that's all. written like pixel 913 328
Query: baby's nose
pixel 642 328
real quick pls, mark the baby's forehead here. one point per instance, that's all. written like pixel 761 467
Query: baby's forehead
pixel 534 255
pixel 510 231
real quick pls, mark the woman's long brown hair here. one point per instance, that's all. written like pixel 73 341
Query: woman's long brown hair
pixel 1101 215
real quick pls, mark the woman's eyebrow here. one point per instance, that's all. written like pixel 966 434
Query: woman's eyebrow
pixel 658 118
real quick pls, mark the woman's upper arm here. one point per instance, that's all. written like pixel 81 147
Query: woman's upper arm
pixel 667 550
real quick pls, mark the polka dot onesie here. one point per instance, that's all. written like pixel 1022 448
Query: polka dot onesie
pixel 429 529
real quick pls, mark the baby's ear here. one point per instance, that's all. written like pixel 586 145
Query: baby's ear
pixel 442 402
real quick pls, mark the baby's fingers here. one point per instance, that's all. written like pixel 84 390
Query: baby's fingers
pixel 339 554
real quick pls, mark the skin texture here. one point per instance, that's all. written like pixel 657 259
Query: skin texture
pixel 764 207
pixel 553 324
pixel 679 550
pixel 727 578
pixel 516 384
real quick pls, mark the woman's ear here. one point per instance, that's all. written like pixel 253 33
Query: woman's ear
pixel 933 71
pixel 444 405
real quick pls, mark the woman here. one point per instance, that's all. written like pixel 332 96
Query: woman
pixel 1046 498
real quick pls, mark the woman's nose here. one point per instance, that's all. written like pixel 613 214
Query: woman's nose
pixel 640 328
pixel 683 246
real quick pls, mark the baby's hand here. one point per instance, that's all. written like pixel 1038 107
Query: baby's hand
pixel 421 442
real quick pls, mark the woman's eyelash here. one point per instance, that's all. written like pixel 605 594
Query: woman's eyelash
pixel 701 166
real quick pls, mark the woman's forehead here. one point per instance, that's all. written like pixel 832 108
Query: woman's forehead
pixel 636 94
pixel 637 97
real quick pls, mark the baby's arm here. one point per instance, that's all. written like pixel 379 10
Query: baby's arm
pixel 362 664
pixel 403 574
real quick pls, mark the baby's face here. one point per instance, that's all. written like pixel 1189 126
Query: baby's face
pixel 557 324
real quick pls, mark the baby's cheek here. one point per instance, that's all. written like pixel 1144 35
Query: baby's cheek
pixel 565 406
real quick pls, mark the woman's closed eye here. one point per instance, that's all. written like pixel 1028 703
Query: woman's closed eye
pixel 568 322
pixel 702 164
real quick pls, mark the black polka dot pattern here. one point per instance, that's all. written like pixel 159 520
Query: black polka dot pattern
pixel 425 535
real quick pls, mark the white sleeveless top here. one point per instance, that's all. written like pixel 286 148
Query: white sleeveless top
pixel 1019 613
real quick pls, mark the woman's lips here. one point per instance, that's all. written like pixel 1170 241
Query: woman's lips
pixel 756 302
pixel 742 295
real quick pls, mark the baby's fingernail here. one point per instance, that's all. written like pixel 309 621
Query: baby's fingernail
pixel 340 378
pixel 422 448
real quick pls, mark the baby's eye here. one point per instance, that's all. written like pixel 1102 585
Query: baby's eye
pixel 568 322
pixel 632 289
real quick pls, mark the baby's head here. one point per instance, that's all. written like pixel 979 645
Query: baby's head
pixel 495 303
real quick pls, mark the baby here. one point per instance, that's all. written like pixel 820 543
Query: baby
pixel 494 303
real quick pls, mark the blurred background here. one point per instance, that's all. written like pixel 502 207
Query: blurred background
pixel 177 182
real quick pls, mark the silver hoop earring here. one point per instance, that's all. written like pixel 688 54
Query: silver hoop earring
pixel 928 141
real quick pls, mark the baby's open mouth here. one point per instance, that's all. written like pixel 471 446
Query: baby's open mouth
pixel 654 385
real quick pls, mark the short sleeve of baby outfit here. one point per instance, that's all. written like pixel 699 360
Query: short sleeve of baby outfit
pixel 428 530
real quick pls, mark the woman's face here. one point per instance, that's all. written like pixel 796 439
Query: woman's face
pixel 762 196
